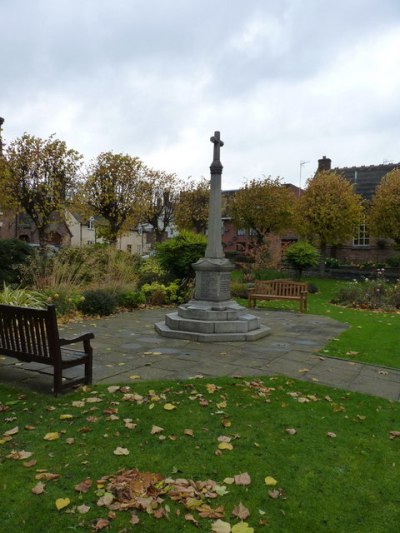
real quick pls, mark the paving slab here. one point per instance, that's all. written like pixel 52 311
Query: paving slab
pixel 127 345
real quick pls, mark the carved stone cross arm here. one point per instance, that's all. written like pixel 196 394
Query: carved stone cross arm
pixel 216 165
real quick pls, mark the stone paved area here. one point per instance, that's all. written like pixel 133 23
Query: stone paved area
pixel 126 345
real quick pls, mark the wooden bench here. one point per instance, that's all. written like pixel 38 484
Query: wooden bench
pixel 32 335
pixel 279 289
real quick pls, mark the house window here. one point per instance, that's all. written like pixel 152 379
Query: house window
pixel 90 223
pixel 362 236
pixel 252 232
pixel 242 232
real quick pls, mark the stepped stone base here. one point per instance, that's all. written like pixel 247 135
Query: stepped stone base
pixel 205 321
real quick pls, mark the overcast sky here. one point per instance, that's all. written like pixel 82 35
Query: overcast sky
pixel 284 81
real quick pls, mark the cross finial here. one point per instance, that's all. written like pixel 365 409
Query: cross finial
pixel 216 166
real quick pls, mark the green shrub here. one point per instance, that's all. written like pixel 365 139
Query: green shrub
pixel 130 299
pixel 393 261
pixel 150 270
pixel 98 302
pixel 159 294
pixel 300 256
pixel 22 297
pixel 238 289
pixel 332 262
pixel 66 301
pixel 13 255
pixel 177 255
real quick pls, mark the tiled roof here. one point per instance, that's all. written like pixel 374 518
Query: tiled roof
pixel 366 178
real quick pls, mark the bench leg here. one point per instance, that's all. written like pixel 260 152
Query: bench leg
pixel 57 380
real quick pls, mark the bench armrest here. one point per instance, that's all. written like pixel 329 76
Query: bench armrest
pixel 81 338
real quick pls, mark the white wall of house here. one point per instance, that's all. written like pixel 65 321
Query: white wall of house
pixel 83 234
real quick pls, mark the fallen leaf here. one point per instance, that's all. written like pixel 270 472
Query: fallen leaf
pixel 240 511
pixel 394 434
pixel 156 429
pixel 84 486
pixel 225 446
pixel 29 464
pixel 331 435
pixel 134 376
pixel 38 488
pixel 52 436
pixel 224 438
pixel 229 480
pixel 66 417
pixel 275 493
pixel 190 518
pixel 10 432
pixel 188 432
pixel 19 455
pixel 134 519
pixel 101 524
pixel 47 476
pixel 219 526
pixel 70 440
pixel 242 527
pixel 169 406
pixel 113 388
pixel 242 479
pixel 121 451
pixel 270 481
pixel 291 431
pixel 83 509
pixel 62 502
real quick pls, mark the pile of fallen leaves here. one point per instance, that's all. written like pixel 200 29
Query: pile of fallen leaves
pixel 132 490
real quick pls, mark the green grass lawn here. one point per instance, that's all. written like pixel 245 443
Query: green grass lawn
pixel 336 470
pixel 373 337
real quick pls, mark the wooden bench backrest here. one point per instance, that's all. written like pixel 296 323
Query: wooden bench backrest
pixel 31 334
pixel 280 287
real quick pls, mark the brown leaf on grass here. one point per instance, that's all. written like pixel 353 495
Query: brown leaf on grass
pixel 240 511
pixel 19 455
pixel 224 438
pixel 190 518
pixel 205 511
pixel 156 429
pixel 394 434
pixel 47 476
pixel 11 432
pixel 84 485
pixel 291 431
pixel 275 493
pixel 219 526
pixel 242 479
pixel 101 523
pixel 188 432
pixel 159 513
pixel 331 435
pixel 121 451
pixel 29 464
pixel 70 440
pixel 134 519
pixel 83 509
pixel 38 488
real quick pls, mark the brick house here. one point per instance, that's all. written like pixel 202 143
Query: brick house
pixel 363 248
pixel 240 241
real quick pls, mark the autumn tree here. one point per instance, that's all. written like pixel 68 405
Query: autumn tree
pixel 263 205
pixel 160 195
pixel 329 211
pixel 384 215
pixel 113 189
pixel 36 176
pixel 191 211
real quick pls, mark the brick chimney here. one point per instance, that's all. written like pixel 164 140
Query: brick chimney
pixel 324 163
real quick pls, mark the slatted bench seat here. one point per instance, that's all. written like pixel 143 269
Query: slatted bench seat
pixel 279 289
pixel 31 335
